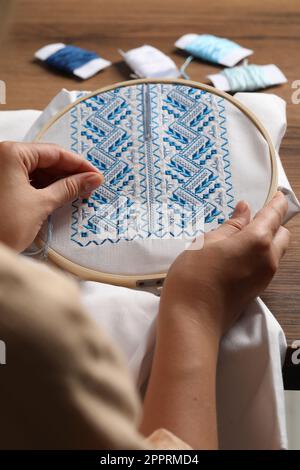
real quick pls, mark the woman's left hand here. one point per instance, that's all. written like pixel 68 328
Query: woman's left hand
pixel 36 179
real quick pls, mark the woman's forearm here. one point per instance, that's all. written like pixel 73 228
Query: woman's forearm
pixel 203 295
pixel 181 391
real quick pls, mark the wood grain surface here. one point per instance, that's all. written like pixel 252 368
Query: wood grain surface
pixel 270 27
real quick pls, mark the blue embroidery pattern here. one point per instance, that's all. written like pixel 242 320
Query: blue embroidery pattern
pixel 163 150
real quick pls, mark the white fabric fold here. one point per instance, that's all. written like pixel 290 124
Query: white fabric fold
pixel 15 124
pixel 249 382
pixel 250 393
pixel 250 396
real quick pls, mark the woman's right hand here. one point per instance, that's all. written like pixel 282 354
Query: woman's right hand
pixel 213 285
pixel 204 293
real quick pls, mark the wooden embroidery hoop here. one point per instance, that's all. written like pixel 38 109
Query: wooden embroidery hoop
pixel 134 281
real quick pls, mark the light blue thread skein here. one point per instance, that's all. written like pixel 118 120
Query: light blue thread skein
pixel 246 78
pixel 211 48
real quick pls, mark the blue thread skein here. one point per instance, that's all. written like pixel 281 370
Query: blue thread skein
pixel 210 48
pixel 246 78
pixel 70 58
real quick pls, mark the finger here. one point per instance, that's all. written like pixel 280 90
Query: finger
pixel 271 217
pixel 67 189
pixel 239 219
pixel 54 158
pixel 281 241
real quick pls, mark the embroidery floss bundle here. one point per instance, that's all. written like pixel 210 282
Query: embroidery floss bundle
pixel 149 62
pixel 248 78
pixel 72 60
pixel 213 49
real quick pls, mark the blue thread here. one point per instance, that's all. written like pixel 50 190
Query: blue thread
pixel 246 78
pixel 211 48
pixel 70 58
pixel 184 66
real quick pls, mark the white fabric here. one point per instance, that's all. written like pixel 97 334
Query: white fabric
pixel 62 99
pixel 249 384
pixel 149 62
pixel 15 124
pixel 147 253
pixel 292 406
pixel 250 396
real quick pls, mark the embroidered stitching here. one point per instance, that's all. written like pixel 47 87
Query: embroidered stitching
pixel 163 150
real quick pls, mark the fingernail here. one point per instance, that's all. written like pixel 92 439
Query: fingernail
pixel 92 182
pixel 240 208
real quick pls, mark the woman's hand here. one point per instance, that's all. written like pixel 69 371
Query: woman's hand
pixel 214 284
pixel 204 293
pixel 36 179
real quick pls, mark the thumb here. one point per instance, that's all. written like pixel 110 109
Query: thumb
pixel 67 189
pixel 239 219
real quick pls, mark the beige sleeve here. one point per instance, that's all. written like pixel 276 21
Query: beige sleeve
pixel 63 385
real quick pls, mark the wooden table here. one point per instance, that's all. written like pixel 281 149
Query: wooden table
pixel 270 27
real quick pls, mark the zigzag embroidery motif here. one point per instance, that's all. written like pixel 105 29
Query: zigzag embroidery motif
pixel 163 150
